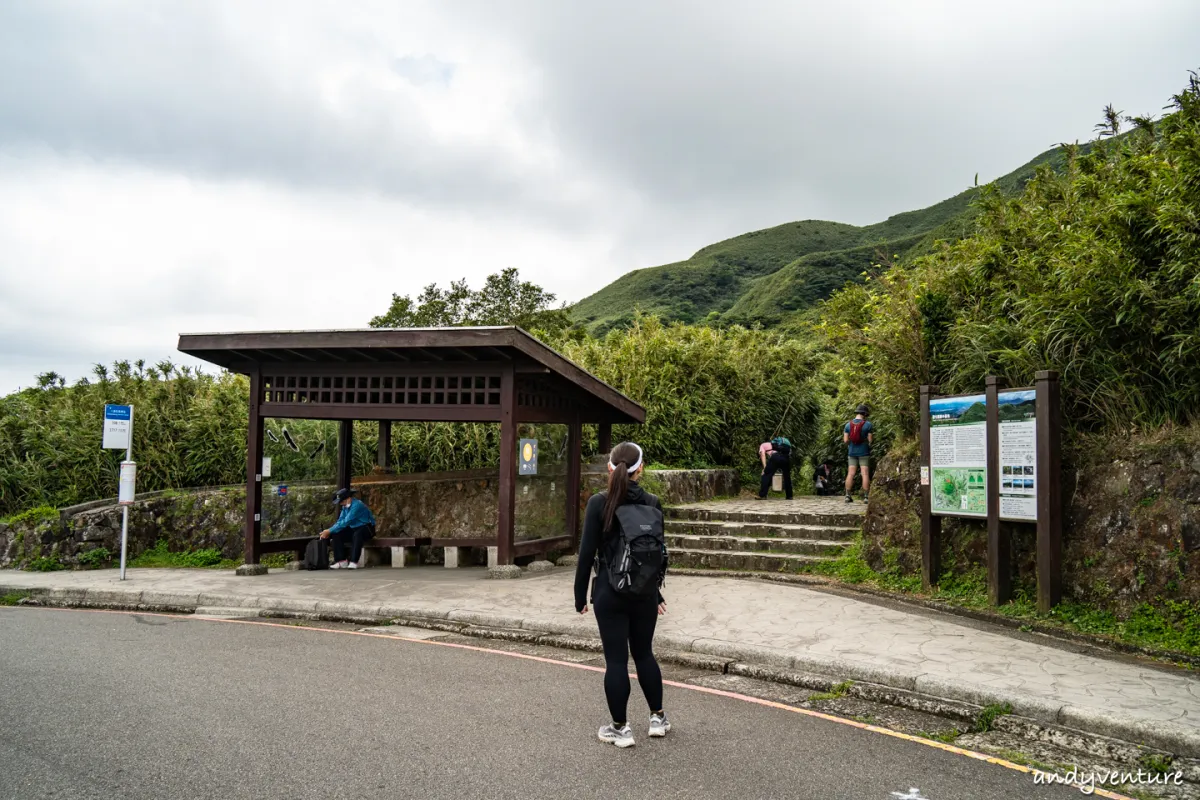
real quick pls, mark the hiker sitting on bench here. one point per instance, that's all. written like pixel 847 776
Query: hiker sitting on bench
pixel 354 527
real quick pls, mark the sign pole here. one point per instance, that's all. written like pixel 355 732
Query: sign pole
pixel 125 506
pixel 1049 491
pixel 931 526
pixel 999 550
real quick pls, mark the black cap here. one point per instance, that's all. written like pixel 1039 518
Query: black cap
pixel 862 409
pixel 342 494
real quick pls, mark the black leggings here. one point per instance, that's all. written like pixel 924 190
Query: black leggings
pixel 777 463
pixel 627 625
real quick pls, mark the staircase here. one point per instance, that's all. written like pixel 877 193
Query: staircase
pixel 761 536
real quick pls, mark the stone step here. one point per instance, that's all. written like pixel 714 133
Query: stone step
pixel 686 527
pixel 767 517
pixel 742 561
pixel 810 547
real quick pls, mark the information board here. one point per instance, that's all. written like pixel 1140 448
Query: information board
pixel 1018 455
pixel 958 456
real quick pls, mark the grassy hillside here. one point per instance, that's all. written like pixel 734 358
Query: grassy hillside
pixel 770 274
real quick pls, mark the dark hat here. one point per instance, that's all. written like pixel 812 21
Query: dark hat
pixel 862 409
pixel 342 494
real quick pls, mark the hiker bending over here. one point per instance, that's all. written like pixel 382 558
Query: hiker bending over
pixel 858 435
pixel 776 456
pixel 354 527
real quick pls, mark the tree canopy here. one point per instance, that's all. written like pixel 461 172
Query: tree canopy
pixel 504 299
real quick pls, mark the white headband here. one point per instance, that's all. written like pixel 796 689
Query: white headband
pixel 635 467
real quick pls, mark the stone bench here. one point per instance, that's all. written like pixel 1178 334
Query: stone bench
pixel 399 546
pixel 453 548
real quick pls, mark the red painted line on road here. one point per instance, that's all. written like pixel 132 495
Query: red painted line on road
pixel 949 748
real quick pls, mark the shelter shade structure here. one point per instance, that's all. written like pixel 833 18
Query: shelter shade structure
pixel 500 374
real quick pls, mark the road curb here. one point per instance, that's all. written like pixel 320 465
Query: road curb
pixel 895 686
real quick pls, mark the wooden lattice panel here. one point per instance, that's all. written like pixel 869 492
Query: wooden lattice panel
pixel 383 390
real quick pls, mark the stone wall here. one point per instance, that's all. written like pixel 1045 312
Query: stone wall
pixel 450 505
pixel 1131 522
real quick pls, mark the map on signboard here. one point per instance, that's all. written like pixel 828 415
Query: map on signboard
pixel 958 456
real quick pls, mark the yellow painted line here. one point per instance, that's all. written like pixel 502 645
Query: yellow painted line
pixel 949 748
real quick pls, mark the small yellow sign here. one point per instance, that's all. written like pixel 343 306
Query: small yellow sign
pixel 528 452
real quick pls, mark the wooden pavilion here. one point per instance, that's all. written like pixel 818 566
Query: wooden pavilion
pixel 499 374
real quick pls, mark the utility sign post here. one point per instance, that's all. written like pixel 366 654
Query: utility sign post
pixel 118 435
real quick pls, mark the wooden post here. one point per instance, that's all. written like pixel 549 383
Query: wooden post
pixel 931 526
pixel 506 521
pixel 999 551
pixel 1049 491
pixel 383 453
pixel 605 438
pixel 254 459
pixel 574 474
pixel 345 453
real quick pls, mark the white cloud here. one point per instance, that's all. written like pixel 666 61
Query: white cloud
pixel 105 262
pixel 326 154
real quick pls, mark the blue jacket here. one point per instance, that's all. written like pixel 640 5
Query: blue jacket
pixel 355 515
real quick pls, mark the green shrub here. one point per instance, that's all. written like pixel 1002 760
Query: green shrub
pixel 45 564
pixel 988 716
pixel 95 558
pixel 39 514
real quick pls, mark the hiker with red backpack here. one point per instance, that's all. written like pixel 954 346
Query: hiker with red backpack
pixel 858 434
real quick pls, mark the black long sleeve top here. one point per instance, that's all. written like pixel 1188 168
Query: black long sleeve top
pixel 593 536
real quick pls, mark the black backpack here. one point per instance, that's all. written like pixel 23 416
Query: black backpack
pixel 637 551
pixel 316 555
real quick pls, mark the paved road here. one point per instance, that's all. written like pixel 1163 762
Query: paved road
pixel 785 625
pixel 107 705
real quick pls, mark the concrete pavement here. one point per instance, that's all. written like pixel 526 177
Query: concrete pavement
pixel 784 626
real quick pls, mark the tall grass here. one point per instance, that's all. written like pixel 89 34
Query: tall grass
pixel 711 396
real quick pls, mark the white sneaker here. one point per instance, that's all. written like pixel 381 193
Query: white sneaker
pixel 621 737
pixel 351 565
pixel 659 725
pixel 339 565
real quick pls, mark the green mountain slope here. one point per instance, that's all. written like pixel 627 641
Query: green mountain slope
pixel 769 274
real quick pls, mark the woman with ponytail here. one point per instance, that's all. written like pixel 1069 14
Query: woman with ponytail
pixel 626 621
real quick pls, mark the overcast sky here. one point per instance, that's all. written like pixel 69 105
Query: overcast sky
pixel 176 166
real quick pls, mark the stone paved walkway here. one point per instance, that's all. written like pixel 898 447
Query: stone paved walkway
pixel 780 624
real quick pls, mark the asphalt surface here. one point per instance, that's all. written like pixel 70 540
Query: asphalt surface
pixel 108 705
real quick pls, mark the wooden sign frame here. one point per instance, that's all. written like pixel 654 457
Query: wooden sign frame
pixel 1047 487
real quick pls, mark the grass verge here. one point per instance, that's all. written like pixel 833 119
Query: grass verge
pixel 160 557
pixel 12 598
